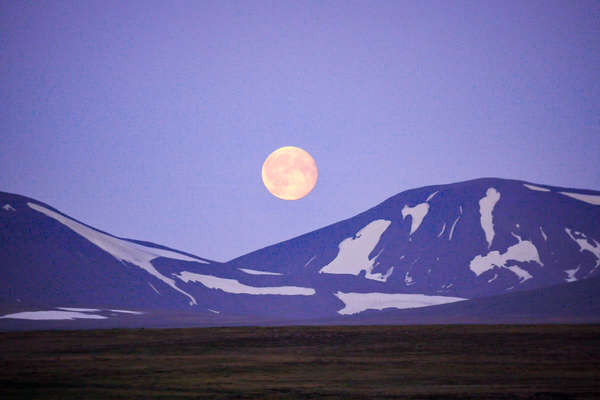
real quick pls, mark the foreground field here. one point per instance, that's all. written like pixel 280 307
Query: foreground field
pixel 414 362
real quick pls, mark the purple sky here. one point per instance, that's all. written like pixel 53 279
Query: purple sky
pixel 151 120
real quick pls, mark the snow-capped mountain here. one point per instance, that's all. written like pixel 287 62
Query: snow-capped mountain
pixel 427 246
pixel 446 242
pixel 49 258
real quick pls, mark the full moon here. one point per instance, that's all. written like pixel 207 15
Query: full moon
pixel 289 173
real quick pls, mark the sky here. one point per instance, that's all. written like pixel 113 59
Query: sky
pixel 151 119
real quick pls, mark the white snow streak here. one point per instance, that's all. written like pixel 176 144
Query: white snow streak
pixel 8 207
pixel 432 195
pixel 543 234
pixel 520 272
pixel 518 237
pixel 214 311
pixel 235 287
pixel 255 272
pixel 585 244
pixel 588 198
pixel 442 231
pixel 127 312
pixel 452 228
pixel 52 315
pixel 493 278
pixel 355 303
pixel 122 250
pixel 152 286
pixel 571 274
pixel 537 188
pixel 119 245
pixel 353 254
pixel 486 208
pixel 417 213
pixel 92 310
pixel 523 251
pixel 309 261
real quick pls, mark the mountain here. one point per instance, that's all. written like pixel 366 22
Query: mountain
pixel 49 258
pixel 480 239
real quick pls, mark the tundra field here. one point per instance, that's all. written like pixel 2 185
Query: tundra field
pixel 327 362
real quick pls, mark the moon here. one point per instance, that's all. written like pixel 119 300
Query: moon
pixel 289 173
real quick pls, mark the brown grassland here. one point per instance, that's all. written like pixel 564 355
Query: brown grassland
pixel 327 362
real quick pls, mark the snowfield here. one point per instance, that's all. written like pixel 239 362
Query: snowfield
pixel 355 303
pixel 417 214
pixel 235 287
pixel 256 272
pixel 353 254
pixel 52 315
pixel 486 208
pixel 523 251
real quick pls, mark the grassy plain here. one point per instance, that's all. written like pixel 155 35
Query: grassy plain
pixel 358 362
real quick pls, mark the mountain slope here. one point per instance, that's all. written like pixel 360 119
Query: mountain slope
pixel 49 258
pixel 470 239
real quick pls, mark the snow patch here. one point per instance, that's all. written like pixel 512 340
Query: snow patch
pixel 523 251
pixel 78 309
pixel 309 261
pixel 255 272
pixel 537 188
pixel 122 250
pixel 417 213
pixel 353 254
pixel 235 287
pixel 381 277
pixel 585 244
pixel 408 280
pixel 452 227
pixel 442 231
pixel 214 311
pixel 153 288
pixel 52 315
pixel 571 274
pixel 493 278
pixel 588 198
pixel 520 272
pixel 543 234
pixel 355 303
pixel 8 207
pixel 127 312
pixel 486 208
pixel 432 195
